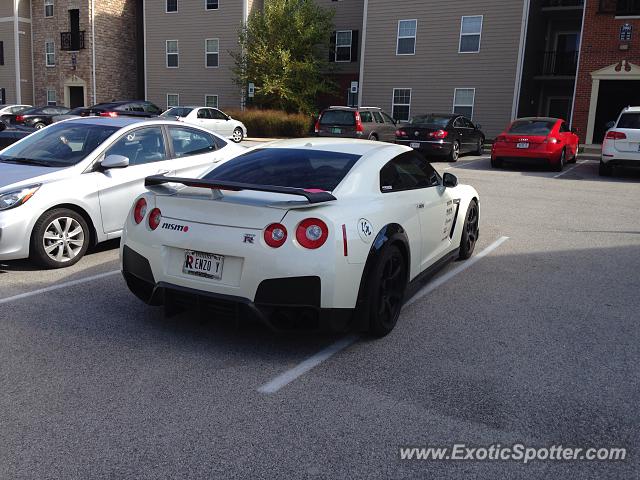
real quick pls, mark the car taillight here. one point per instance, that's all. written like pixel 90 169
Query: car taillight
pixel 154 218
pixel 20 118
pixel 109 114
pixel 613 135
pixel 312 233
pixel 401 133
pixel 317 125
pixel 439 134
pixel 140 211
pixel 359 127
pixel 275 235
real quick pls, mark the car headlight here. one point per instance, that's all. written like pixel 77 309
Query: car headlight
pixel 17 197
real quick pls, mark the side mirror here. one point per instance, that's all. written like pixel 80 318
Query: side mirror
pixel 478 126
pixel 449 180
pixel 609 125
pixel 574 131
pixel 114 161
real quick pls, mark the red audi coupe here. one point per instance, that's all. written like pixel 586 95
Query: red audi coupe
pixel 537 141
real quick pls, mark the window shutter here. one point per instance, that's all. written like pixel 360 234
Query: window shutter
pixel 354 46
pixel 332 50
pixel 1 53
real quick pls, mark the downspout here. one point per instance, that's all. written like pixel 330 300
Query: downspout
pixel 575 85
pixel 33 82
pixel 93 50
pixel 362 46
pixel 520 65
pixel 144 47
pixel 16 49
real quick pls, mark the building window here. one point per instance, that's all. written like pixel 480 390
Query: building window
pixel 172 6
pixel 211 4
pixel 406 37
pixel 343 45
pixel 1 53
pixel 172 54
pixel 463 99
pixel 211 101
pixel 51 97
pixel 173 100
pixel 212 47
pixel 48 8
pixel 470 34
pixel 50 54
pixel 401 103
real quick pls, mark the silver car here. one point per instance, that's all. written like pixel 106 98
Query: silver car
pixel 72 184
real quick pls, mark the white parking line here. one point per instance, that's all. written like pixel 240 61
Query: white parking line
pixel 57 287
pixel 289 376
pixel 569 169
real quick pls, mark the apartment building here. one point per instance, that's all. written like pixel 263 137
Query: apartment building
pixel 84 51
pixel 16 77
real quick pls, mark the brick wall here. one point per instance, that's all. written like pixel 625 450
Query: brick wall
pixel 600 49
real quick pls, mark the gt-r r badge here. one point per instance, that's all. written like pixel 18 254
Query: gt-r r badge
pixel 365 230
pixel 249 238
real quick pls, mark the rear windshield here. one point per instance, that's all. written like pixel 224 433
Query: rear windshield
pixel 629 120
pixel 338 117
pixel 435 120
pixel 532 127
pixel 287 167
pixel 177 112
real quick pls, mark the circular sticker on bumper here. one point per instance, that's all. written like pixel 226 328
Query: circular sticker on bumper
pixel 365 230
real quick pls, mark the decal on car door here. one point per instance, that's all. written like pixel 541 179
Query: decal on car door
pixel 450 218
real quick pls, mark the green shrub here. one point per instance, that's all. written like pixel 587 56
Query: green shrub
pixel 274 123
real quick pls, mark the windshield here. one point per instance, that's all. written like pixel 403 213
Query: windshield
pixel 338 117
pixel 61 145
pixel 532 127
pixel 629 120
pixel 287 167
pixel 177 112
pixel 27 111
pixel 435 120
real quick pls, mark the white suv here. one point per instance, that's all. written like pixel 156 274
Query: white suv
pixel 621 146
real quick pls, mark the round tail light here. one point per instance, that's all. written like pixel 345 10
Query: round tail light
pixel 312 233
pixel 275 235
pixel 154 218
pixel 140 211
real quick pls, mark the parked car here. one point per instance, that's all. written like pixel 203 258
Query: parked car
pixel 211 119
pixel 442 135
pixel 538 141
pixel 71 185
pixel 369 123
pixel 73 113
pixel 129 108
pixel 621 146
pixel 10 135
pixel 299 234
pixel 8 110
pixel 36 117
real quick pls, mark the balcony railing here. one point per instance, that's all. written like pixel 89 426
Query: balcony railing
pixel 559 63
pixel 71 41
pixel 562 3
pixel 621 8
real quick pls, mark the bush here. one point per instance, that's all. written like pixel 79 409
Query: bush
pixel 274 123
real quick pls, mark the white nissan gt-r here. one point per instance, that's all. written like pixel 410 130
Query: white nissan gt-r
pixel 302 233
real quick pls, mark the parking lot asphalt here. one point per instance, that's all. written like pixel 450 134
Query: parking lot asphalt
pixel 536 342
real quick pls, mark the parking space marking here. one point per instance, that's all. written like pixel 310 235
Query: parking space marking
pixel 452 273
pixel 57 287
pixel 571 168
pixel 310 363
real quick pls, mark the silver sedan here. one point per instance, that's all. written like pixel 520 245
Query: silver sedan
pixel 72 184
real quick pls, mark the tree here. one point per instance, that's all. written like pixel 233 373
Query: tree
pixel 284 53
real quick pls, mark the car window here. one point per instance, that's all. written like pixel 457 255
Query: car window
pixel 439 121
pixel 378 117
pixel 204 113
pixel 407 171
pixel 177 112
pixel 629 120
pixel 151 108
pixel 344 118
pixel 60 145
pixel 141 146
pixel 388 119
pixel 469 123
pixel 458 123
pixel 50 111
pixel 287 167
pixel 188 141
pixel 532 127
pixel 564 128
pixel 217 114
pixel 366 117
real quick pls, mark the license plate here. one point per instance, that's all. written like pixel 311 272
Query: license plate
pixel 522 145
pixel 336 130
pixel 414 145
pixel 202 264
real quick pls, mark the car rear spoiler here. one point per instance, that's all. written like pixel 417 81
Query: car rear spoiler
pixel 312 195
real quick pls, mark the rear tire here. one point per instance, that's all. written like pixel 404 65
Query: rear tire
pixel 605 170
pixel 59 239
pixel 455 151
pixel 39 126
pixel 237 135
pixel 496 163
pixel 385 289
pixel 470 231
pixel 563 159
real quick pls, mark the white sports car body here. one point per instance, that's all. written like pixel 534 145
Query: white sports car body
pixel 300 232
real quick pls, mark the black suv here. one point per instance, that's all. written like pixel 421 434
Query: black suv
pixel 129 108
pixel 369 123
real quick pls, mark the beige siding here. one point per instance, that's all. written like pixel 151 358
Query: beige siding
pixel 437 68
pixel 191 25
pixel 26 70
pixel 347 16
pixel 24 8
pixel 8 71
pixel 7 36
pixel 6 8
